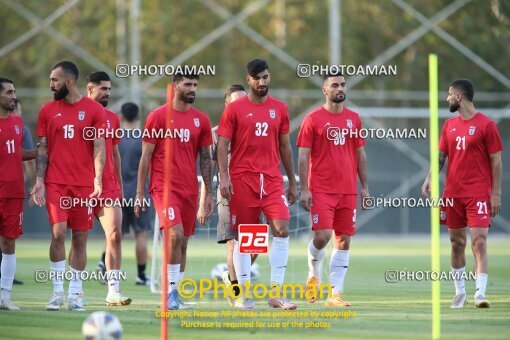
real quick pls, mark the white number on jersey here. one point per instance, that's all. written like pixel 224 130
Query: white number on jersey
pixel 482 208
pixel 340 140
pixel 261 129
pixel 10 146
pixel 461 143
pixel 185 134
pixel 69 131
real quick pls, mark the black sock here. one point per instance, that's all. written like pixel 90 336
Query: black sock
pixel 103 257
pixel 236 288
pixel 141 271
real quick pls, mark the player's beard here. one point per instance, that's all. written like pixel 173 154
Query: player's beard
pixel 188 100
pixel 454 107
pixel 61 94
pixel 104 101
pixel 8 106
pixel 260 92
pixel 338 99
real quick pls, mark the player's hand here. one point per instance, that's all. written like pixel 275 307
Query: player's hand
pixel 98 188
pixel 306 199
pixel 226 188
pixel 206 209
pixel 38 192
pixel 292 194
pixel 139 199
pixel 425 188
pixel 364 193
pixel 495 204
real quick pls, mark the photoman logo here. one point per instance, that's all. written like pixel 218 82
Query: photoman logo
pixel 253 238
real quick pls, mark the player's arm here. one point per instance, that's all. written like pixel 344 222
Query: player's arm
pixel 497 170
pixel 206 205
pixel 425 188
pixel 99 157
pixel 143 171
pixel 303 161
pixel 226 188
pixel 362 174
pixel 201 216
pixel 27 155
pixel 117 164
pixel 288 164
pixel 42 163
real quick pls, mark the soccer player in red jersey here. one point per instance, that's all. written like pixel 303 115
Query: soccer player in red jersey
pixel 98 89
pixel 225 233
pixel 69 171
pixel 257 129
pixel 330 159
pixel 472 144
pixel 12 188
pixel 190 135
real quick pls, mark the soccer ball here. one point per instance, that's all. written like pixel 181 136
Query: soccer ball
pixel 222 267
pixel 102 326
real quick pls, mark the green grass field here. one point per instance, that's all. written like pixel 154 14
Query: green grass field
pixel 383 310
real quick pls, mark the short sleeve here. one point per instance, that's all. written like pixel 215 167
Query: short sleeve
pixel 115 128
pixel 152 123
pixel 41 123
pixel 305 136
pixel 99 118
pixel 285 123
pixel 492 138
pixel 443 142
pixel 360 141
pixel 227 122
pixel 205 135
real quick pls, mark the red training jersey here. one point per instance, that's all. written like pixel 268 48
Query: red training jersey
pixel 254 130
pixel 333 160
pixel 11 164
pixel 187 132
pixel 110 181
pixel 469 144
pixel 70 155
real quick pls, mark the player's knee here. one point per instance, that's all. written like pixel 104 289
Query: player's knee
pixel 478 243
pixel 59 236
pixel 458 244
pixel 115 237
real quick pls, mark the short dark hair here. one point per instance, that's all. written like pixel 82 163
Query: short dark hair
pixel 98 77
pixel 69 68
pixel 129 111
pixel 256 66
pixel 331 74
pixel 233 88
pixel 4 80
pixel 465 86
pixel 185 72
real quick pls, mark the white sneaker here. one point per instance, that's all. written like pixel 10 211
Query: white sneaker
pixel 244 303
pixel 74 303
pixel 8 305
pixel 459 301
pixel 56 301
pixel 481 301
pixel 228 284
pixel 117 299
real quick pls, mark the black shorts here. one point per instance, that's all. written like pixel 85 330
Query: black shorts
pixel 144 223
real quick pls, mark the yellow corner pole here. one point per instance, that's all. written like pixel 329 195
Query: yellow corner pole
pixel 434 195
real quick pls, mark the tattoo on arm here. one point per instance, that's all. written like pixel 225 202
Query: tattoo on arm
pixel 442 159
pixel 42 157
pixel 205 167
